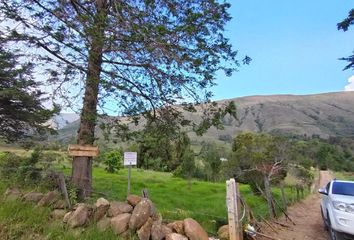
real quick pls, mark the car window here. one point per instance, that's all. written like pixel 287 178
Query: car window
pixel 343 188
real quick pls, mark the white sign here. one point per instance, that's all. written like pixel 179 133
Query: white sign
pixel 130 158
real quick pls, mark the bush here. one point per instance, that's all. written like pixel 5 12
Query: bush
pixel 9 166
pixel 25 171
pixel 113 160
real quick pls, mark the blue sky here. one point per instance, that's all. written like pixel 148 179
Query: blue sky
pixel 295 46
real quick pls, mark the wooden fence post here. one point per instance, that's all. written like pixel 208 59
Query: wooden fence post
pixel 63 189
pixel 233 210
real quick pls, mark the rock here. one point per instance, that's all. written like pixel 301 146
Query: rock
pixel 12 194
pixel 157 230
pixel 58 213
pixel 166 230
pixel 153 212
pixel 223 232
pixel 101 201
pixel 177 226
pixel 117 208
pixel 176 236
pixel 60 204
pixel 48 199
pixel 145 231
pixel 134 200
pixel 127 235
pixel 81 216
pixel 103 224
pixel 193 230
pixel 33 197
pixel 140 214
pixel 100 212
pixel 67 216
pixel 120 223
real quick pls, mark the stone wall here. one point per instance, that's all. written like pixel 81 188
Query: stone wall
pixel 137 216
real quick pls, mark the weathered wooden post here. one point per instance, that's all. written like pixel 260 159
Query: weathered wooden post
pixel 233 210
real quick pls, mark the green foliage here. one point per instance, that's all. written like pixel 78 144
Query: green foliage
pixel 256 157
pixel 344 25
pixel 187 168
pixel 113 160
pixel 211 158
pixel 21 110
pixel 34 170
pixel 9 166
pixel 333 153
pixel 73 193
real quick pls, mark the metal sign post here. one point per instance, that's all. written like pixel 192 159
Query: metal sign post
pixel 130 159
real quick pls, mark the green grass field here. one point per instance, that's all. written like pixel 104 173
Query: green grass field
pixel 175 199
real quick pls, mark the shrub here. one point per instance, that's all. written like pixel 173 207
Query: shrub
pixel 9 166
pixel 113 160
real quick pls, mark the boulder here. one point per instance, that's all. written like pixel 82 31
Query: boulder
pixel 145 231
pixel 120 223
pixel 103 224
pixel 117 208
pixel 100 211
pixel 176 236
pixel 177 226
pixel 153 212
pixel 33 197
pixel 101 202
pixel 134 200
pixel 157 230
pixel 166 230
pixel 81 216
pixel 223 232
pixel 140 214
pixel 12 194
pixel 48 199
pixel 67 216
pixel 58 213
pixel 193 230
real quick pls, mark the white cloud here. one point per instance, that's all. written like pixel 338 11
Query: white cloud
pixel 350 85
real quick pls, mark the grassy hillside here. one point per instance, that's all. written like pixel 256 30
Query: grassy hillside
pixel 329 114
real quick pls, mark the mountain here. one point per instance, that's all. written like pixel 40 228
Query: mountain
pixel 60 120
pixel 328 114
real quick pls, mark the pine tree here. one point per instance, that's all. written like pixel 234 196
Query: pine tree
pixel 21 111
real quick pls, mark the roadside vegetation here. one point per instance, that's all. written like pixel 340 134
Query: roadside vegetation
pixel 175 198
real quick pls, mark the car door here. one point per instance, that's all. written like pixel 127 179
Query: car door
pixel 325 200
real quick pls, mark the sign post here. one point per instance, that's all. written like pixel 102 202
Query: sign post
pixel 130 159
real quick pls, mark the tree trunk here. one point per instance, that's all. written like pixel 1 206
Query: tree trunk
pixel 82 166
pixel 269 197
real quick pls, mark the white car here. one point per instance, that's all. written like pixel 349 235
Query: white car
pixel 337 208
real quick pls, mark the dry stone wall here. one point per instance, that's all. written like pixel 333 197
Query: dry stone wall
pixel 136 216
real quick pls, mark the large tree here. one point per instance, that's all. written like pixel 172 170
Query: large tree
pixel 21 111
pixel 259 159
pixel 135 56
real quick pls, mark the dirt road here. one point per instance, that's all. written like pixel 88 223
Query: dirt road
pixel 307 217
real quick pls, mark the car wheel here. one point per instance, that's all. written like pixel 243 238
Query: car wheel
pixel 333 233
pixel 324 220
